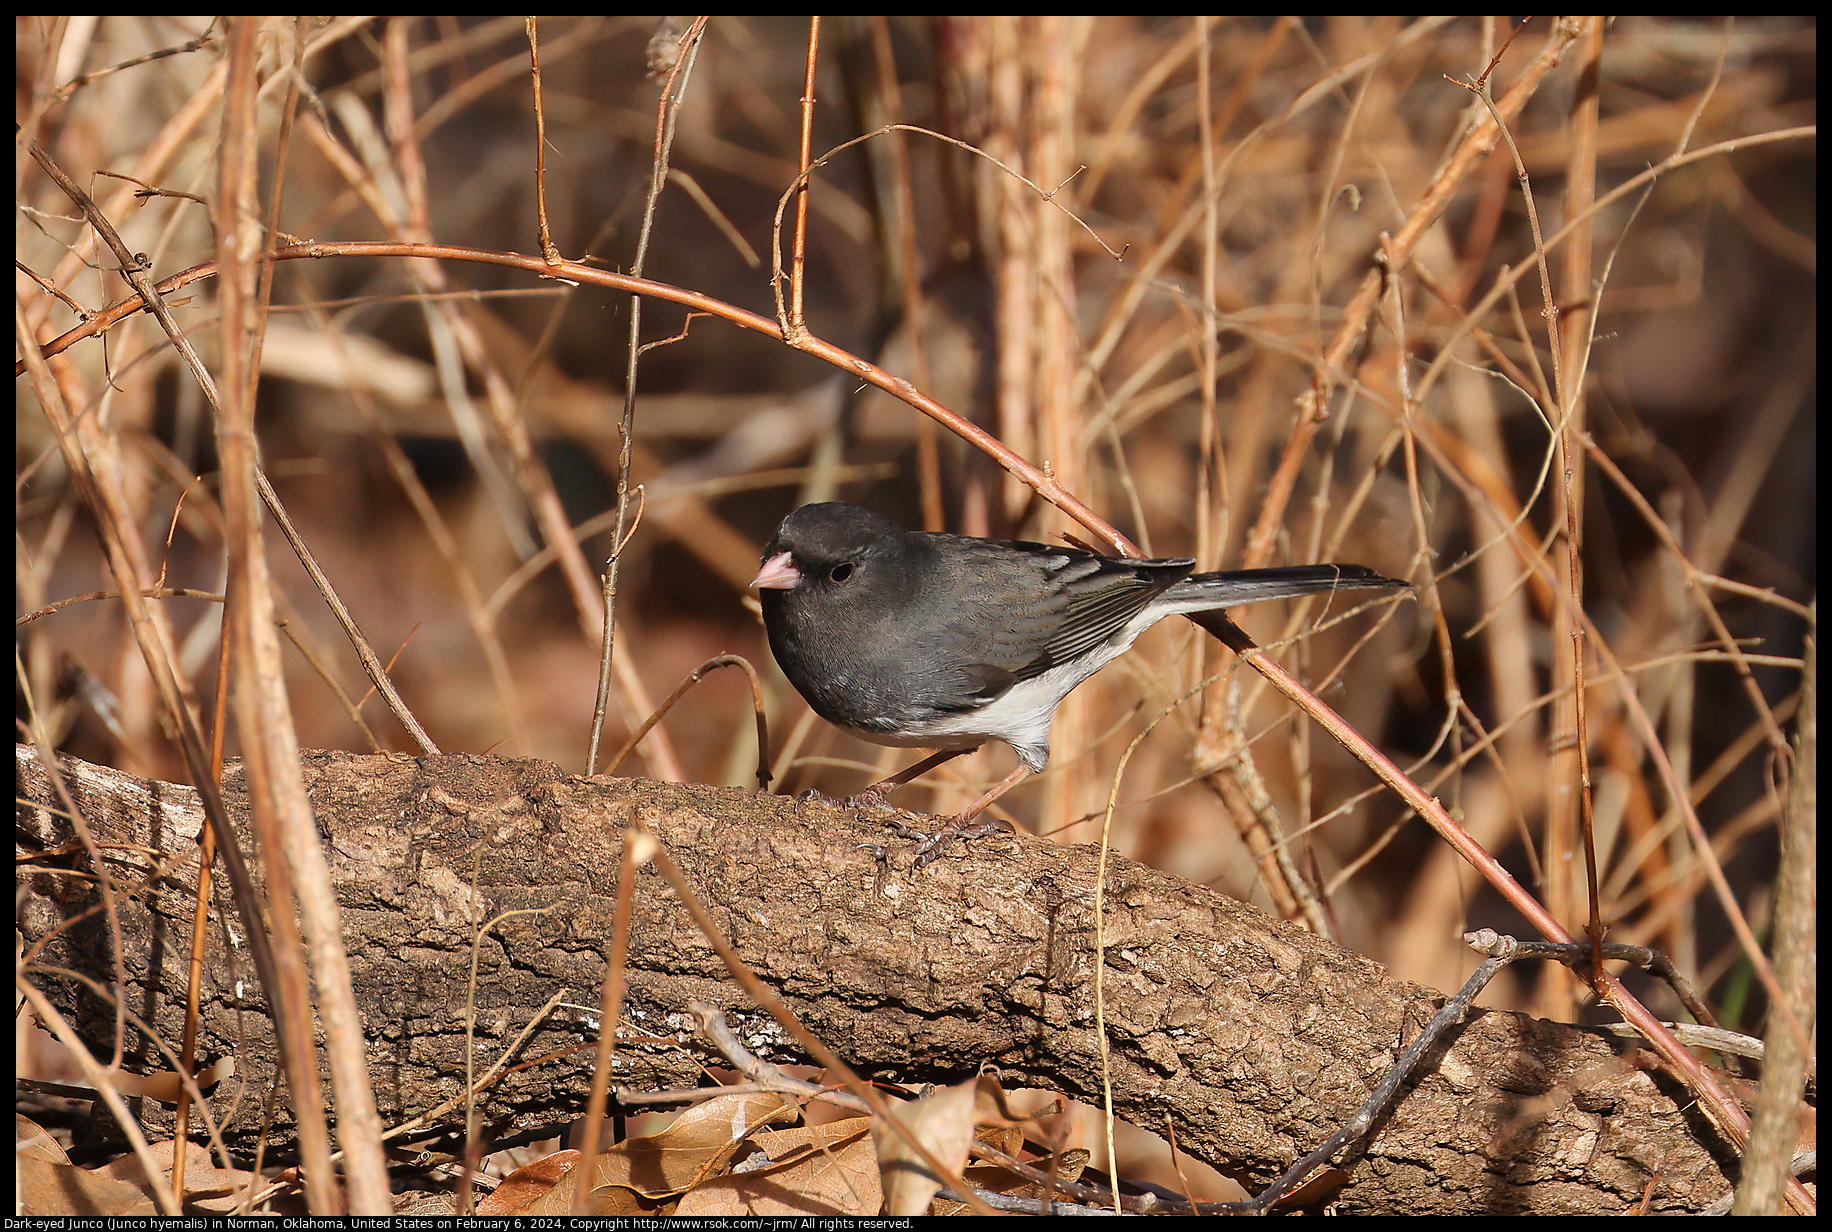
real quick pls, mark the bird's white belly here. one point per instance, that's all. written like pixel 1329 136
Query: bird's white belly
pixel 1020 716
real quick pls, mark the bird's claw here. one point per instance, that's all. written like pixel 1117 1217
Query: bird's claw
pixel 867 799
pixel 903 831
pixel 965 829
pixel 802 797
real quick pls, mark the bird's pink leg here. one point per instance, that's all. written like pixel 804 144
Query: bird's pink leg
pixel 964 826
pixel 873 796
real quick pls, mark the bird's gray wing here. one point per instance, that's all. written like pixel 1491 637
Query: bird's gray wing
pixel 1027 607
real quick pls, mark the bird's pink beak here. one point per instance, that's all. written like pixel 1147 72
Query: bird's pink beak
pixel 778 573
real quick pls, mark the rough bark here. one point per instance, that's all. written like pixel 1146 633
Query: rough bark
pixel 1255 1037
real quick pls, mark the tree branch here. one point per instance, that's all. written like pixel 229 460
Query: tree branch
pixel 1255 1037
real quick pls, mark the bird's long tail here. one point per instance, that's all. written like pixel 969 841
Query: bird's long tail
pixel 1232 587
pixel 1202 596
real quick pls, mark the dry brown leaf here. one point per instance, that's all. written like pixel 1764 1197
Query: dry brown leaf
pixel 425 1206
pixel 994 1179
pixel 826 1169
pixel 992 1106
pixel 30 1141
pixel 206 1187
pixel 1006 1138
pixel 163 1085
pixel 49 1184
pixel 669 1163
pixel 47 1188
pixel 943 1122
pixel 527 1183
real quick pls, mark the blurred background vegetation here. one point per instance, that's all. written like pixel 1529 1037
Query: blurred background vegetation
pixel 1161 387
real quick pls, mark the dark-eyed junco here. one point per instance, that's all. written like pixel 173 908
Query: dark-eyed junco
pixel 916 638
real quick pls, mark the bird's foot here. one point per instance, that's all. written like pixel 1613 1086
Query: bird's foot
pixel 905 831
pixel 802 797
pixel 965 828
pixel 898 828
pixel 872 798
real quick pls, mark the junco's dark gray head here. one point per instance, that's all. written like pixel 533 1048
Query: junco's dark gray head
pixel 842 591
pixel 823 547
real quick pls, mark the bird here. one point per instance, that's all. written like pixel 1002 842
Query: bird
pixel 940 641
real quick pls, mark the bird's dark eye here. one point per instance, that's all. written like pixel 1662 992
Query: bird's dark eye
pixel 841 572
